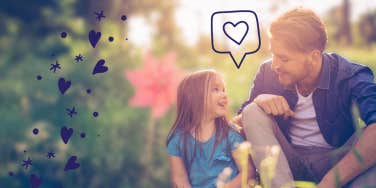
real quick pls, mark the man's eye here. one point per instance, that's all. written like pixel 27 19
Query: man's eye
pixel 284 60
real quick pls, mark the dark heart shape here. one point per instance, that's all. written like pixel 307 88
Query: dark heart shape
pixel 229 28
pixel 63 85
pixel 66 134
pixel 35 181
pixel 71 164
pixel 99 67
pixel 94 37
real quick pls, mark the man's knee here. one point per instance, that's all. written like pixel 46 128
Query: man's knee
pixel 253 117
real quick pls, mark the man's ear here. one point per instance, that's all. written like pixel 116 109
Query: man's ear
pixel 315 55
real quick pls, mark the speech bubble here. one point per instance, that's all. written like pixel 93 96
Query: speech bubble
pixel 235 32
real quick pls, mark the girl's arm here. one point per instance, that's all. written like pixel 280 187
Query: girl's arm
pixel 251 173
pixel 236 182
pixel 179 175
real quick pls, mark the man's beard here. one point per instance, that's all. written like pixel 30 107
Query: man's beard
pixel 293 80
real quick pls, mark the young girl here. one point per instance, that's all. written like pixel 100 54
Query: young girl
pixel 200 142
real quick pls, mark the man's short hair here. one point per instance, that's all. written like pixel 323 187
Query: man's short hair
pixel 301 29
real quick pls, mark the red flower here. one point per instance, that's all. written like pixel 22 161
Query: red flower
pixel 155 84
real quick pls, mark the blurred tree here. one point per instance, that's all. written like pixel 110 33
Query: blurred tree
pixel 367 27
pixel 345 24
pixel 340 18
pixel 29 42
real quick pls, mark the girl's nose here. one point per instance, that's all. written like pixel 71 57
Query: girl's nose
pixel 224 94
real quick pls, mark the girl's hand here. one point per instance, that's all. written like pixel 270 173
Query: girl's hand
pixel 236 123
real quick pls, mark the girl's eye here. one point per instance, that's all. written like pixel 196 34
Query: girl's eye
pixel 216 89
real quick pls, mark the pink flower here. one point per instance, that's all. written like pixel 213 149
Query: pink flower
pixel 155 84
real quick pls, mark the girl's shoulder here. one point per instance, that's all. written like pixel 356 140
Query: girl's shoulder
pixel 176 135
pixel 235 138
pixel 175 144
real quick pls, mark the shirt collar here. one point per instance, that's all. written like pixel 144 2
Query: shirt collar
pixel 324 77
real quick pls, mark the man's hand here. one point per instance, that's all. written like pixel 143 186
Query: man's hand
pixel 274 105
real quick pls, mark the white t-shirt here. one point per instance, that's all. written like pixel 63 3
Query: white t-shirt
pixel 304 130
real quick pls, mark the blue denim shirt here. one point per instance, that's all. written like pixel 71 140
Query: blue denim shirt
pixel 340 83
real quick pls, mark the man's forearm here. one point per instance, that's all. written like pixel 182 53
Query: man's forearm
pixel 361 157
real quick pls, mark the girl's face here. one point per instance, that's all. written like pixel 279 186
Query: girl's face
pixel 216 98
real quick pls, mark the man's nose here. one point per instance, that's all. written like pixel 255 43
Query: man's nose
pixel 276 65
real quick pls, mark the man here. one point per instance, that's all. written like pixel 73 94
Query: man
pixel 302 101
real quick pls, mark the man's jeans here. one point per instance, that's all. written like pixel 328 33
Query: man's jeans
pixel 295 162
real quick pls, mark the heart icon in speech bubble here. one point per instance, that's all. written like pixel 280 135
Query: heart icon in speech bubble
pixel 236 32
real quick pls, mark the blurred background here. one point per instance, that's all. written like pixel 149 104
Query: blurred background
pixel 153 46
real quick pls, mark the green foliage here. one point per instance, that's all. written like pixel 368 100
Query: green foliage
pixel 304 184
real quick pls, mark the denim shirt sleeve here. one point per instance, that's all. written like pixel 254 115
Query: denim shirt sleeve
pixel 363 92
pixel 256 89
pixel 173 146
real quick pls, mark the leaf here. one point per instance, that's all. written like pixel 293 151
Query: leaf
pixel 305 184
pixel 358 156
